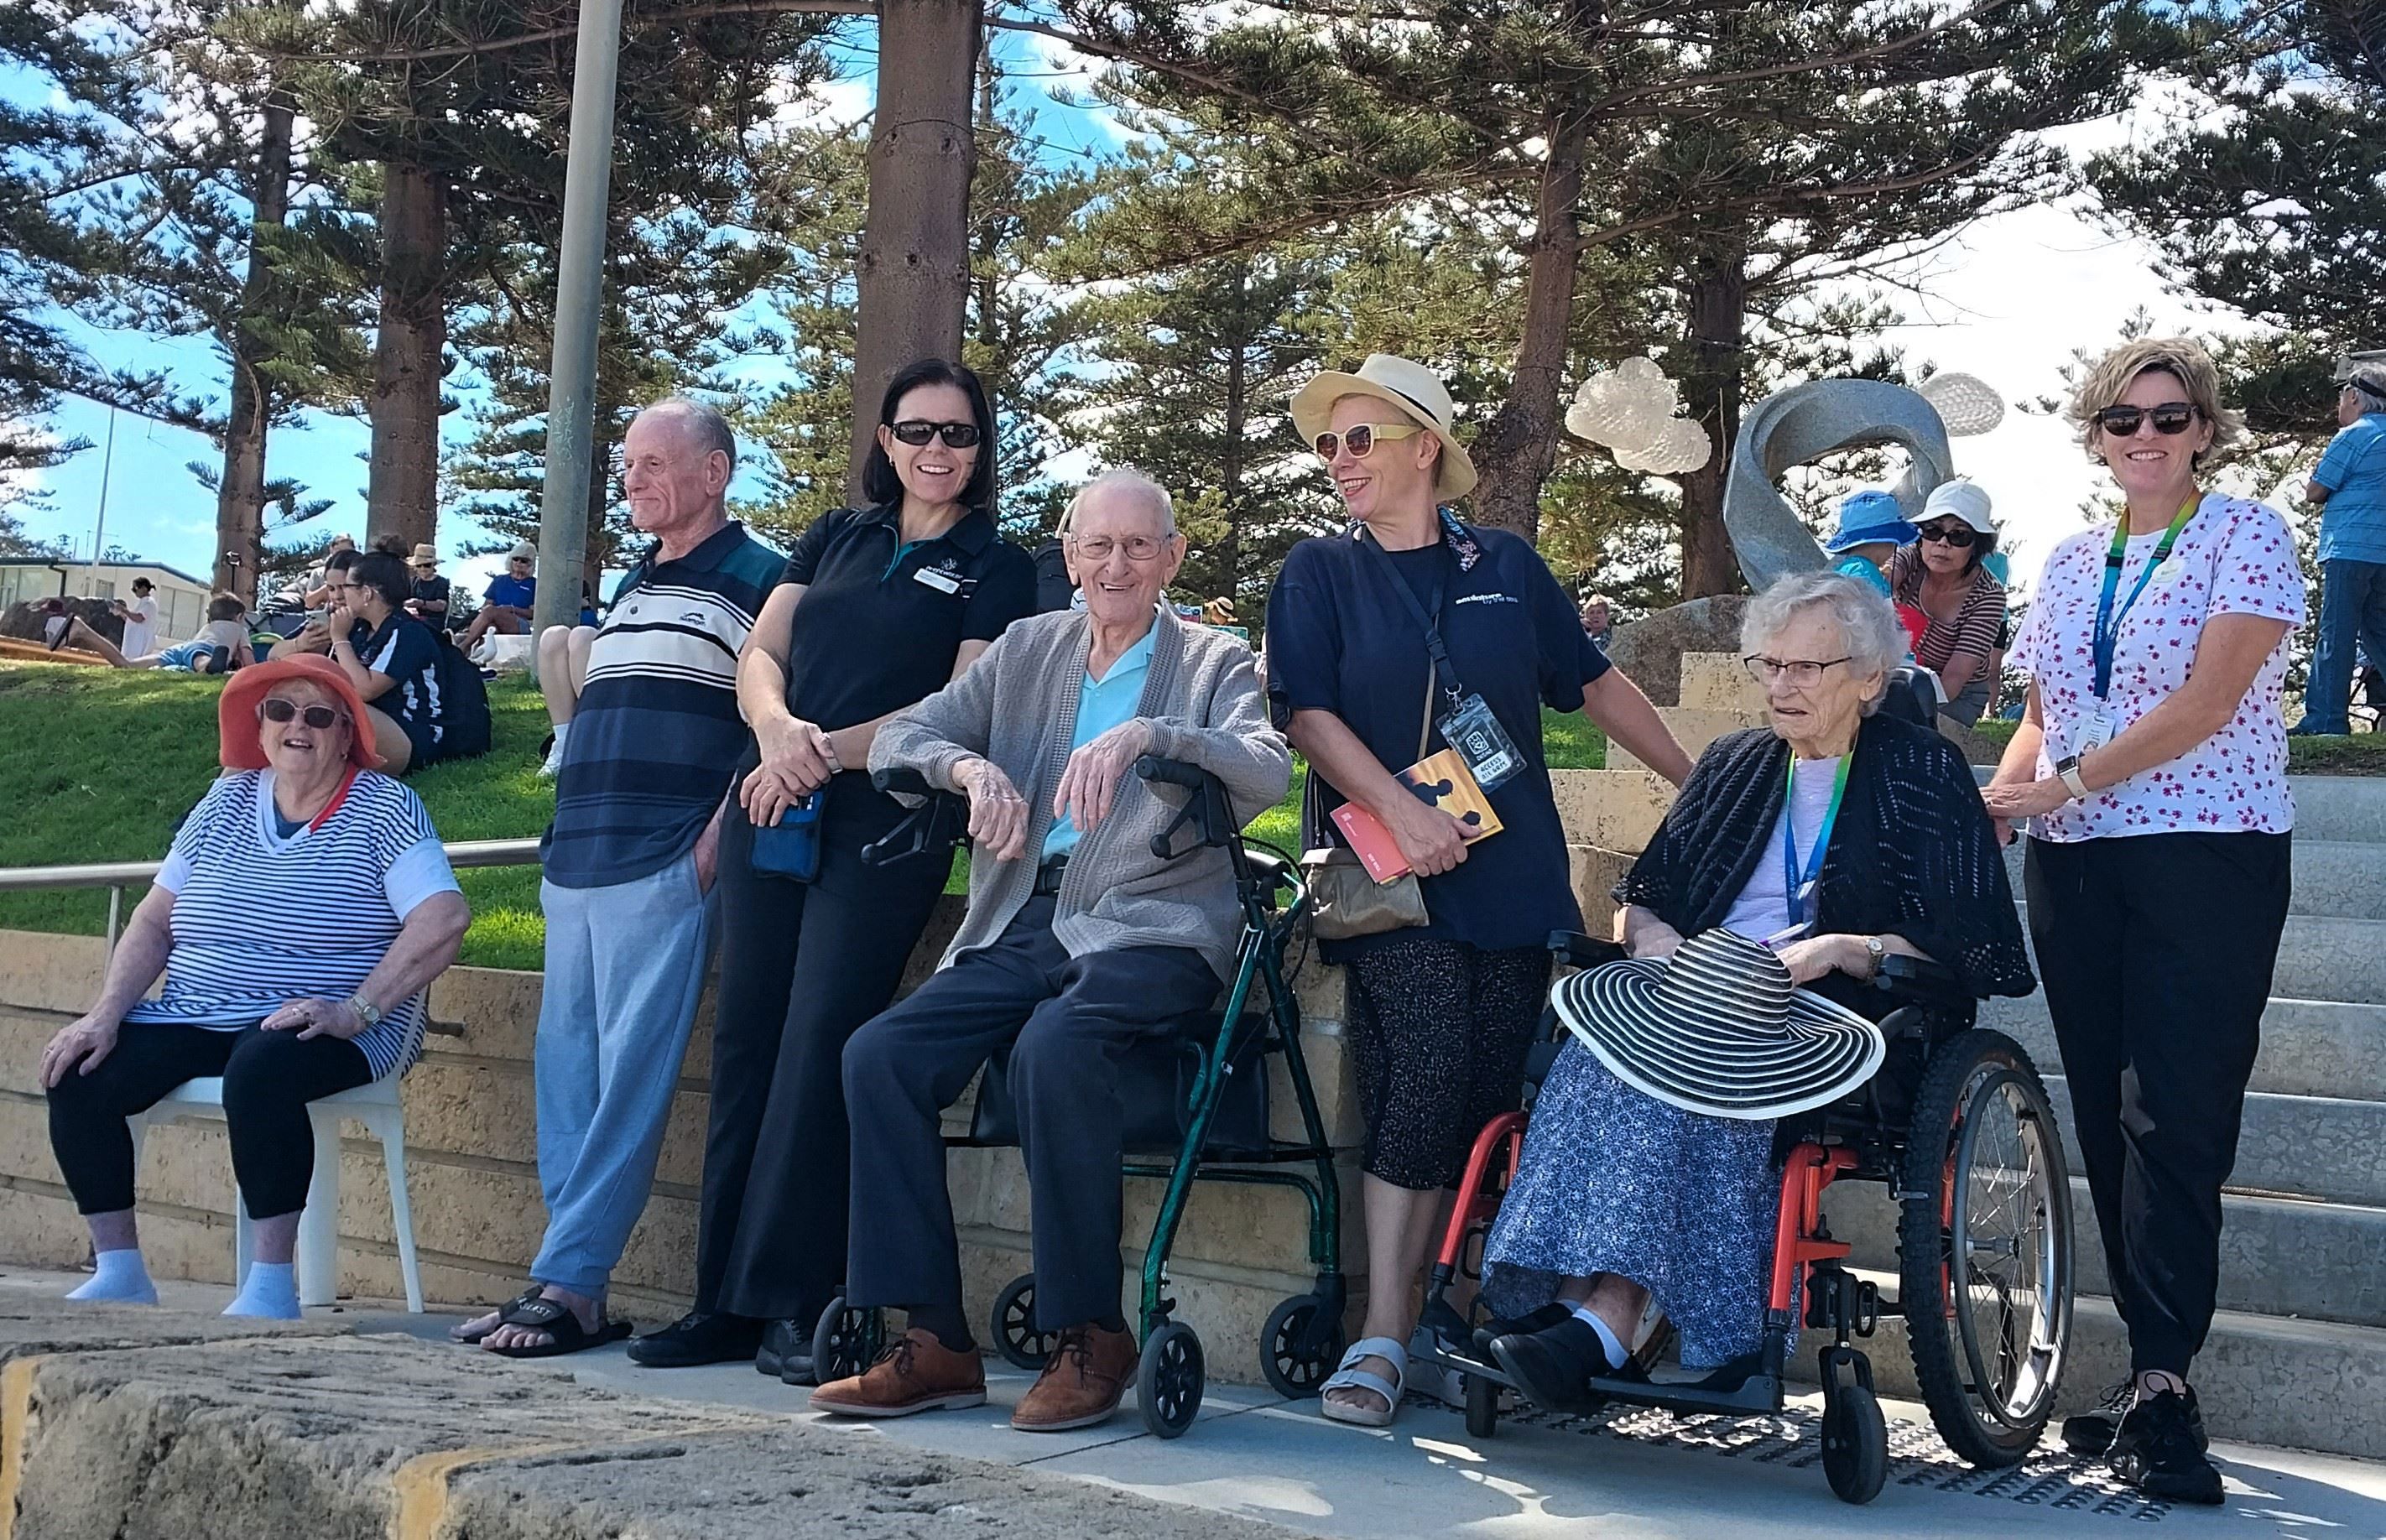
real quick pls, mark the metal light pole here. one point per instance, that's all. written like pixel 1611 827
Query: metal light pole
pixel 572 387
pixel 99 527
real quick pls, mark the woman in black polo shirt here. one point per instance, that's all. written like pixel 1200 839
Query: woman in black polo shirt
pixel 878 609
pixel 1441 1014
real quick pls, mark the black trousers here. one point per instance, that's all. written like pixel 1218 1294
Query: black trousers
pixel 1068 1022
pixel 802 965
pixel 2156 952
pixel 268 1078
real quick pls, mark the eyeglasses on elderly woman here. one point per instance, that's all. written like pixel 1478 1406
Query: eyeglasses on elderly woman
pixel 1802 671
pixel 274 708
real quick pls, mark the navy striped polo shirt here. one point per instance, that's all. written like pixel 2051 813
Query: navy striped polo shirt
pixel 658 732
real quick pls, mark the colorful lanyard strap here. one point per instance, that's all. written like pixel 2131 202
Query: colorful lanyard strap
pixel 1795 886
pixel 2108 623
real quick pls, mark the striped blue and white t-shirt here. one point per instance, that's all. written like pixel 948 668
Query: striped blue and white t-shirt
pixel 658 732
pixel 262 919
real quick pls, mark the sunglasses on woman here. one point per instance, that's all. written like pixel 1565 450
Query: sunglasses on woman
pixel 1961 537
pixel 2170 417
pixel 916 432
pixel 1360 438
pixel 274 708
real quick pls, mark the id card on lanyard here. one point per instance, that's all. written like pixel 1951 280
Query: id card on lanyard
pixel 2098 729
pixel 1469 726
pixel 1802 882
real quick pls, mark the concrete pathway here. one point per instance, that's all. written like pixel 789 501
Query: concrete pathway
pixel 1634 1473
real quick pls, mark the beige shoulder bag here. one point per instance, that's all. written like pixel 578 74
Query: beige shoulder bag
pixel 1344 901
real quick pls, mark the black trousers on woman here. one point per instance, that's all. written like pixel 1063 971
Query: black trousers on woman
pixel 802 965
pixel 2156 951
pixel 268 1078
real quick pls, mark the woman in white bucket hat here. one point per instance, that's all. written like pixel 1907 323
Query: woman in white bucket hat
pixel 1944 576
pixel 1443 1004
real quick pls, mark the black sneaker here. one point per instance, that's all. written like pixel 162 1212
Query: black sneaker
pixel 786 1352
pixel 698 1337
pixel 2090 1434
pixel 1532 1321
pixel 1553 1367
pixel 2159 1449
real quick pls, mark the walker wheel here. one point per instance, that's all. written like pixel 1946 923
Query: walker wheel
pixel 1482 1406
pixel 1297 1371
pixel 1168 1382
pixel 1855 1444
pixel 1014 1325
pixel 846 1342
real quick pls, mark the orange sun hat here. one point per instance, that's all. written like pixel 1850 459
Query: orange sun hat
pixel 237 746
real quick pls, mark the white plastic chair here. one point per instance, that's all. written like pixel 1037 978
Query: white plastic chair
pixel 376 1107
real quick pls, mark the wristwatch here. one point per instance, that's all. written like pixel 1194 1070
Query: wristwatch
pixel 2066 771
pixel 1876 950
pixel 367 1012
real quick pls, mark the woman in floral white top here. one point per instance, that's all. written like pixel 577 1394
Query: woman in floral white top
pixel 2151 764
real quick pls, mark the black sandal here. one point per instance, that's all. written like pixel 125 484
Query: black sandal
pixel 555 1318
pixel 461 1333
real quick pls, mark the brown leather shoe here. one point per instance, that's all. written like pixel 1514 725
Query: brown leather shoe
pixel 916 1373
pixel 1081 1381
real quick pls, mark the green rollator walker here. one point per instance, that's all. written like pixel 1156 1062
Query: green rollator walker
pixel 1196 1108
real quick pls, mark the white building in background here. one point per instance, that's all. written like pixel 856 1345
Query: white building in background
pixel 182 598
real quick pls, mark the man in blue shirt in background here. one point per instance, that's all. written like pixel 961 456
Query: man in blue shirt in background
pixel 2349 485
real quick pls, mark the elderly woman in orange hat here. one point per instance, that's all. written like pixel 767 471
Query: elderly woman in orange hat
pixel 327 999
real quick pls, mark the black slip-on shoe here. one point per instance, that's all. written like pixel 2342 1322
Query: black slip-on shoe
pixel 2159 1449
pixel 698 1337
pixel 2090 1434
pixel 1541 1320
pixel 1553 1367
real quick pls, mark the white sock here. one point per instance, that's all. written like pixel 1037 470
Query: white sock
pixel 271 1292
pixel 1616 1356
pixel 555 755
pixel 118 1278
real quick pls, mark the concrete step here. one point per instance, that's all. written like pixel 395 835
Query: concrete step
pixel 2322 1147
pixel 2309 1047
pixel 2297 1384
pixel 2279 1256
pixel 1693 727
pixel 2343 878
pixel 2324 957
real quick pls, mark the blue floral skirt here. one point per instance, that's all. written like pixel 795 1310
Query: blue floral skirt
pixel 1615 1181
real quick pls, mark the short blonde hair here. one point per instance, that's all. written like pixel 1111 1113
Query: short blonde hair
pixel 2183 358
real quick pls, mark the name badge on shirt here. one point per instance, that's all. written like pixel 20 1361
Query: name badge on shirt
pixel 1476 733
pixel 2094 732
pixel 943 583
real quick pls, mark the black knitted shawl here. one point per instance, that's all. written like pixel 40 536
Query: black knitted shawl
pixel 1913 853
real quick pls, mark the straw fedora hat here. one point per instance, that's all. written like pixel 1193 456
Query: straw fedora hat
pixel 1719 1029
pixel 1408 388
pixel 424 556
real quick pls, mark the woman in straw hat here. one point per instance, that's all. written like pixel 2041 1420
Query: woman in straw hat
pixel 1441 1012
pixel 1794 861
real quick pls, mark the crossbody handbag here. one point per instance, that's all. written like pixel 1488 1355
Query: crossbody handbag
pixel 1344 901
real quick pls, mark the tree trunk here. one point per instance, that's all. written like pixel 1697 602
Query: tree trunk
pixel 402 487
pixel 240 494
pixel 914 272
pixel 1518 445
pixel 1717 302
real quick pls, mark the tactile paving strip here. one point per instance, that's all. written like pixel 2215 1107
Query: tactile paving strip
pixel 1917 1457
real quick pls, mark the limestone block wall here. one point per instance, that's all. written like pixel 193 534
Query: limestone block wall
pixel 472 1128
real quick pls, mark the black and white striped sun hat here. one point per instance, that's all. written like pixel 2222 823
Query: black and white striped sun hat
pixel 1719 1029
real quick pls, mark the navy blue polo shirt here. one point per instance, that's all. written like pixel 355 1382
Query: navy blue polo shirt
pixel 658 732
pixel 1339 639
pixel 881 621
pixel 405 650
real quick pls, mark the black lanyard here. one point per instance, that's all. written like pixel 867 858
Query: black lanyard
pixel 1426 616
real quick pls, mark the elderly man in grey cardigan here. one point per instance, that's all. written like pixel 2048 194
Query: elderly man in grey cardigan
pixel 1078 945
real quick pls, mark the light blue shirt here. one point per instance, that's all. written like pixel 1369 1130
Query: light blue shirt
pixel 1102 704
pixel 1863 573
pixel 2352 521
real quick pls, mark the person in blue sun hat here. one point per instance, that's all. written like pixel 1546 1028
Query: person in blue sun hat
pixel 1872 526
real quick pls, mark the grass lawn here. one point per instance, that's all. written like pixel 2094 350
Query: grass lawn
pixel 102 763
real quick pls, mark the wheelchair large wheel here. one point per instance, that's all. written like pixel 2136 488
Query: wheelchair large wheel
pixel 1984 1245
pixel 1014 1325
pixel 847 1341
pixel 1294 1373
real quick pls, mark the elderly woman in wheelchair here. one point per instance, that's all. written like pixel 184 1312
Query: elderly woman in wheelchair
pixel 1803 872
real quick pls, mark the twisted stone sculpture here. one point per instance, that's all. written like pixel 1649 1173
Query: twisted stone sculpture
pixel 1801 425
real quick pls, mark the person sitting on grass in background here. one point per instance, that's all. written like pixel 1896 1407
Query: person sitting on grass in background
pixel 563 673
pixel 318 582
pixel 394 666
pixel 220 647
pixel 432 593
pixel 508 599
pixel 328 998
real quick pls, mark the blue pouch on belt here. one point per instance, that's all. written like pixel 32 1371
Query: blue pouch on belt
pixel 790 847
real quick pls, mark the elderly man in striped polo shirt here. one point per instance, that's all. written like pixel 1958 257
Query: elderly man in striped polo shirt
pixel 629 865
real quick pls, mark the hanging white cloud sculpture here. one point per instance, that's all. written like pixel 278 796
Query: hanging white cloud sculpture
pixel 1629 410
pixel 1965 403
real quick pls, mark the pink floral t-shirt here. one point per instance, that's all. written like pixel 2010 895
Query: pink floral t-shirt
pixel 2232 558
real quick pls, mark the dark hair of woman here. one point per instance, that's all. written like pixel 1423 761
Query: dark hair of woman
pixel 385 575
pixel 879 483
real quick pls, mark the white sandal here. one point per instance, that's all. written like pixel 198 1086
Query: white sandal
pixel 1347 1377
